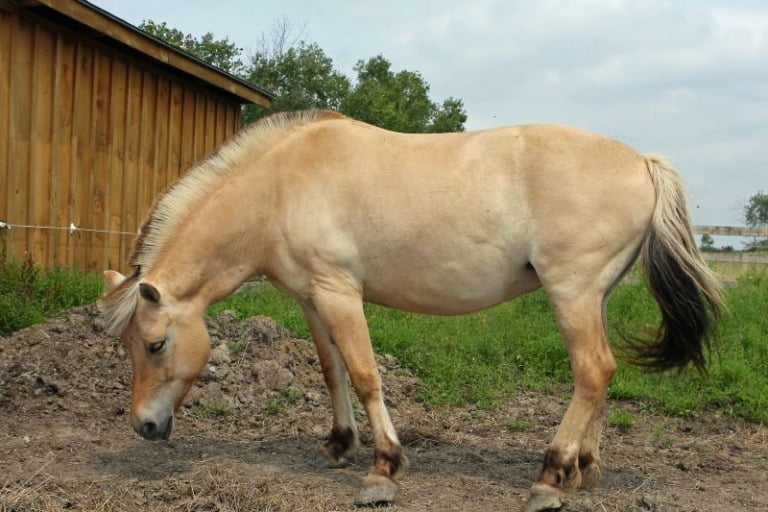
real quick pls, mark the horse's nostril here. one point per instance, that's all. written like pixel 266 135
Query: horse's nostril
pixel 149 429
pixel 153 430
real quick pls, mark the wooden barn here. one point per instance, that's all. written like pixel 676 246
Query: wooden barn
pixel 96 119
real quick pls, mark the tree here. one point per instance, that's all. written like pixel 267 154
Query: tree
pixel 756 210
pixel 302 77
pixel 221 53
pixel 449 117
pixel 756 216
pixel 707 243
pixel 399 101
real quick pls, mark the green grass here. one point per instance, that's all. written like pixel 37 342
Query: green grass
pixel 484 357
pixel 519 425
pixel 737 383
pixel 281 403
pixel 29 294
pixel 623 420
pixel 214 410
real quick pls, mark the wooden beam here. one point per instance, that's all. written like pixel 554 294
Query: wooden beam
pixel 132 37
pixel 730 231
pixel 737 257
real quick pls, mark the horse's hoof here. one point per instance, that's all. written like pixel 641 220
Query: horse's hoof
pixel 377 491
pixel 543 502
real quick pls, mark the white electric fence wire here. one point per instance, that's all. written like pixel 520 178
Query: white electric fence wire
pixel 72 228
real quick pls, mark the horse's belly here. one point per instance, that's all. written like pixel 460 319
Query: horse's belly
pixel 445 289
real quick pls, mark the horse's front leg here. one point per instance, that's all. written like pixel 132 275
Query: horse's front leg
pixel 341 312
pixel 343 439
pixel 572 458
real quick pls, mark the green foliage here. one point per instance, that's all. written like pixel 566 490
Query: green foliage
pixel 707 243
pixel 221 53
pixel 756 216
pixel 399 101
pixel 756 210
pixel 302 77
pixel 30 294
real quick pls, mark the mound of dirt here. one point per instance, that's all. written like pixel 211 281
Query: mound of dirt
pixel 248 435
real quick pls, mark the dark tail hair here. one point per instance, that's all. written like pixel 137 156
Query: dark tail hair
pixel 688 292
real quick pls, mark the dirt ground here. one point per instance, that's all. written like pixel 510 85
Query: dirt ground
pixel 248 437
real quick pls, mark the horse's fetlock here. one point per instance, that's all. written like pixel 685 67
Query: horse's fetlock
pixel 585 459
pixel 341 442
pixel 390 461
pixel 559 471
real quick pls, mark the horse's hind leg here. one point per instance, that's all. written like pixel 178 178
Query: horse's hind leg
pixel 342 314
pixel 343 439
pixel 589 454
pixel 572 458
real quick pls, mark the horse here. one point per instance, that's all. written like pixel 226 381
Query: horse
pixel 335 212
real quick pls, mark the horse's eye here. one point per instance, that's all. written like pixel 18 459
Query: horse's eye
pixel 156 346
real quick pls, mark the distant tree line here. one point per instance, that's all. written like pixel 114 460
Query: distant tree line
pixel 303 77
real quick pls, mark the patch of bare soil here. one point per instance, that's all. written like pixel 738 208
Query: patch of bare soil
pixel 248 438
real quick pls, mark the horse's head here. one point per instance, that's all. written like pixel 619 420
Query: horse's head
pixel 168 344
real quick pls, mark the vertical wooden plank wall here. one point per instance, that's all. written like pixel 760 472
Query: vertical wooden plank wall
pixel 6 22
pixel 90 136
pixel 18 113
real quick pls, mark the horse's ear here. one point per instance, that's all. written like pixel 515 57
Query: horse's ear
pixel 113 279
pixel 149 292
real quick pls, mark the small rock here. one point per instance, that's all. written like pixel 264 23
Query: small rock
pixel 644 504
pixel 220 355
pixel 273 376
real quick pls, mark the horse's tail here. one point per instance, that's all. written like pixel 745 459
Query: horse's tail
pixel 688 292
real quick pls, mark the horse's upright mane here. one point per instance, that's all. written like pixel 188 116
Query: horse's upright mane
pixel 174 206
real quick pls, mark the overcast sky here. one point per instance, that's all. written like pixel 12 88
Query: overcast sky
pixel 687 78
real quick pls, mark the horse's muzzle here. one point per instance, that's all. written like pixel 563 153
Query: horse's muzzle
pixel 154 431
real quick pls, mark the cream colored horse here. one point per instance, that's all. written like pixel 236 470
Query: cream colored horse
pixel 336 212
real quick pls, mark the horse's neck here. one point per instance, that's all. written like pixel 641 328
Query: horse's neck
pixel 207 263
